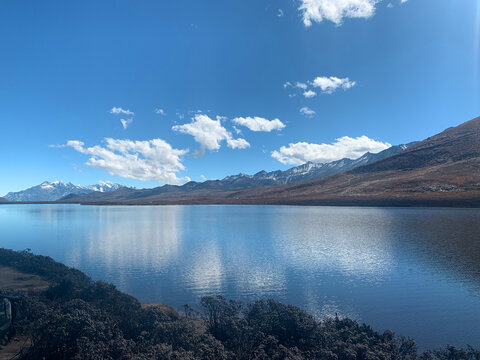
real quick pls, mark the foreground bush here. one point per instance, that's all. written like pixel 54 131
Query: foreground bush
pixel 77 318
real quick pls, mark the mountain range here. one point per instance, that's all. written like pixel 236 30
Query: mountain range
pixel 442 170
pixel 296 174
pixel 51 191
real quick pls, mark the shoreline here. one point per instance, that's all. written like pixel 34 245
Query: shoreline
pixel 447 204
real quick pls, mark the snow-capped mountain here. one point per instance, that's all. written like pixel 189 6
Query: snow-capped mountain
pixel 310 170
pixel 51 191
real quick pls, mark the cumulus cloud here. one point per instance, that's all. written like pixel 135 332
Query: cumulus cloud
pixel 336 10
pixel 141 160
pixel 309 94
pixel 329 84
pixel 307 111
pixel 209 133
pixel 160 111
pixel 126 123
pixel 259 124
pixel 119 110
pixel 344 147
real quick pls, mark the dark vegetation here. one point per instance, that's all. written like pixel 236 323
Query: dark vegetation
pixel 77 318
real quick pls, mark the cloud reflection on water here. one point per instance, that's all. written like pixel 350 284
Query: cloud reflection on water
pixel 413 270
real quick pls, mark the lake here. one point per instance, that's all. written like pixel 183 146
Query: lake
pixel 414 271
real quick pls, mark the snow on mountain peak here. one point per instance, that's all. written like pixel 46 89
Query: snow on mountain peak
pixel 51 191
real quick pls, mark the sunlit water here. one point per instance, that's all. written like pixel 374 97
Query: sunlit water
pixel 415 271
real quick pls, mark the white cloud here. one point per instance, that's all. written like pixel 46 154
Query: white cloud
pixel 142 160
pixel 126 123
pixel 307 111
pixel 309 94
pixel 203 178
pixel 160 111
pixel 280 13
pixel 210 133
pixel 301 85
pixel 344 147
pixel 403 1
pixel 119 110
pixel 298 85
pixel 329 84
pixel 326 85
pixel 237 130
pixel 390 5
pixel 259 124
pixel 336 10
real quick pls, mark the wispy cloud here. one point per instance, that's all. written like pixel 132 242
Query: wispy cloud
pixel 119 110
pixel 301 85
pixel 344 147
pixel 336 10
pixel 259 124
pixel 209 133
pixel 309 94
pixel 126 123
pixel 324 84
pixel 160 111
pixel 141 160
pixel 307 111
pixel 280 13
pixel 330 84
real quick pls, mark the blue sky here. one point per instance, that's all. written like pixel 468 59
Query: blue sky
pixel 230 78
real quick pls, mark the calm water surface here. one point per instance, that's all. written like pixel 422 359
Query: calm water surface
pixel 415 271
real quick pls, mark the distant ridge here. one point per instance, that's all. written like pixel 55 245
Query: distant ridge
pixel 51 191
pixel 238 182
pixel 442 170
pixel 2 200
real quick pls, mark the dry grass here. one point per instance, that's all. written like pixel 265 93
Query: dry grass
pixel 13 348
pixel 12 280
